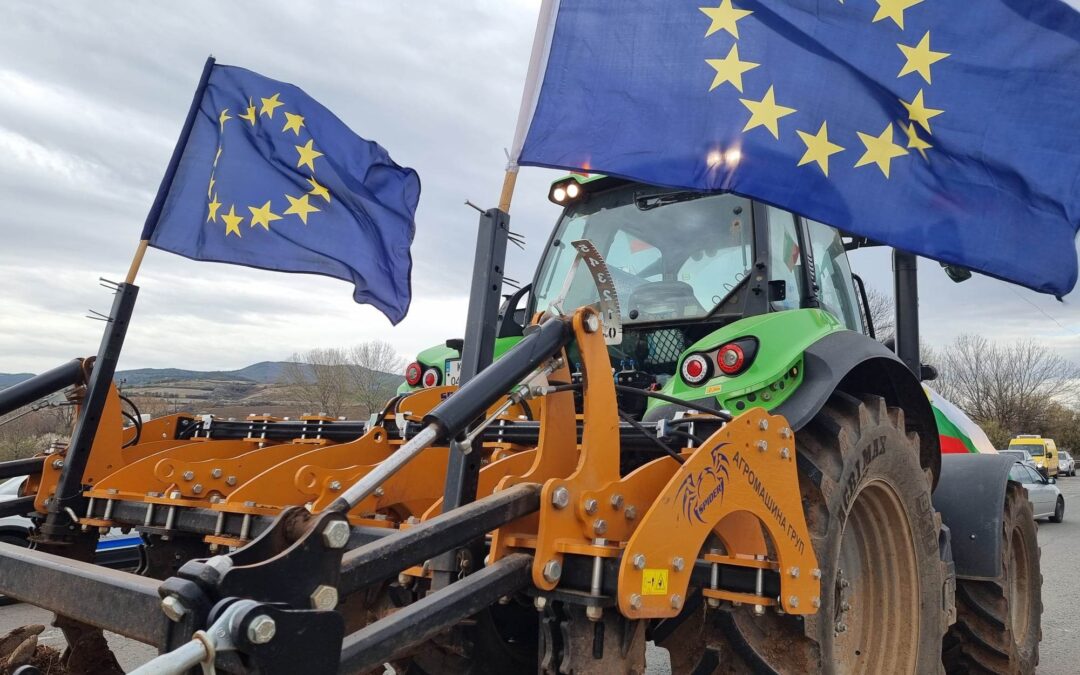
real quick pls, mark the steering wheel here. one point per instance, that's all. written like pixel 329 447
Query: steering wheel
pixel 660 300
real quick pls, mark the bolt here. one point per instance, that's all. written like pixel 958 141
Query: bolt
pixel 189 475
pixel 591 506
pixel 324 597
pixel 197 488
pixel 794 572
pixel 230 481
pixel 677 563
pixel 216 499
pixel 635 601
pixel 762 446
pixel 540 603
pixel 759 610
pixel 815 603
pixel 639 562
pixel 841 627
pixel 335 485
pixel 763 425
pixel 592 323
pixel 58 464
pixel 845 606
pixel 261 630
pixel 560 498
pixel 785 433
pixel 676 601
pixel 336 534
pixel 216 473
pixel 713 603
pixel 616 501
pixel 552 571
pixel 173 608
pixel 594 613
pixel 844 583
pixel 379 492
pixel 816 573
pixel 600 526
pixel 793 601
pixel 784 453
pixel 630 513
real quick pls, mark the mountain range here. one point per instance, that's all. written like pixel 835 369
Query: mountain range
pixel 265 372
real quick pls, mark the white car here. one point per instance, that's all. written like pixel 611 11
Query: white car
pixel 114 549
pixel 1066 464
pixel 1043 493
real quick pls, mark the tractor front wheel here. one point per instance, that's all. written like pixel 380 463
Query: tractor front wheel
pixel 875 533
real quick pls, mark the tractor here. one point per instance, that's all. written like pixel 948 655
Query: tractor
pixel 683 431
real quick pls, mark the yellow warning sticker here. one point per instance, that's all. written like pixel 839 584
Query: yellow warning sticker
pixel 714 389
pixel 654 582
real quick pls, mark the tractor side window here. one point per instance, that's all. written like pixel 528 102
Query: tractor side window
pixel 835 288
pixel 561 257
pixel 785 258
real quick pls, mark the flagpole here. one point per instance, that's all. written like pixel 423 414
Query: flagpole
pixel 136 262
pixel 509 183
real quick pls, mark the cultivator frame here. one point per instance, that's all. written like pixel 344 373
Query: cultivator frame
pixel 326 519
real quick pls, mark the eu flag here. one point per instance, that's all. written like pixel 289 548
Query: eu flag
pixel 947 128
pixel 268 177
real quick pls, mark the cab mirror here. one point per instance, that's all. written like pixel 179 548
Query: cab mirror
pixel 957 274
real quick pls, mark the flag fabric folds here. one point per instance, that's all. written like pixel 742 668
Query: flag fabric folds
pixel 946 128
pixel 267 177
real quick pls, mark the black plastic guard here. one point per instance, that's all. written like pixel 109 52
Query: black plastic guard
pixel 970 496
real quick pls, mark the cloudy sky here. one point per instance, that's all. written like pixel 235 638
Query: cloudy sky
pixel 92 96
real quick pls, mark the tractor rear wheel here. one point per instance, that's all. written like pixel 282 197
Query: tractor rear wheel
pixel 875 533
pixel 998 625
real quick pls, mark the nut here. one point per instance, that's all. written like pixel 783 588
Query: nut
pixel 594 613
pixel 336 534
pixel 763 425
pixel 676 601
pixel 58 464
pixel 794 572
pixel 334 485
pixel 324 597
pixel 379 492
pixel 230 481
pixel 785 433
pixel 540 603
pixel 590 506
pixel 600 526
pixel 677 563
pixel 616 501
pixel 189 475
pixel 173 608
pixel 762 446
pixel 639 561
pixel 560 498
pixel 785 453
pixel 635 601
pixel 553 571
pixel 197 488
pixel 592 323
pixel 793 601
pixel 630 513
pixel 216 473
pixel 261 630
pixel 816 573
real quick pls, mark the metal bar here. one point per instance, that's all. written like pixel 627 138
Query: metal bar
pixel 384 559
pixel 387 468
pixel 40 386
pixel 69 488
pixel 17 507
pixel 383 640
pixel 21 467
pixel 906 288
pixel 123 603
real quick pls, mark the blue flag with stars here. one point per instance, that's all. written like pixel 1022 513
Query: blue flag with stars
pixel 267 177
pixel 947 128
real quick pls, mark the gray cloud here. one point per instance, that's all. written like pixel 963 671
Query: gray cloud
pixel 92 96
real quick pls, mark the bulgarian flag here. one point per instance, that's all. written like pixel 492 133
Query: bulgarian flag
pixel 957 433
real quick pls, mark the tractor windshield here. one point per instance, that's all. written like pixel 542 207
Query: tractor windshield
pixel 672 255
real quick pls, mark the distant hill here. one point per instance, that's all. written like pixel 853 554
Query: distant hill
pixel 266 372
pixel 8 379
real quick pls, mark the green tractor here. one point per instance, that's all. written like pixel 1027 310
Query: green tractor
pixel 726 303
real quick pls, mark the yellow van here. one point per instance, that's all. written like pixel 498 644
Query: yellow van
pixel 1043 451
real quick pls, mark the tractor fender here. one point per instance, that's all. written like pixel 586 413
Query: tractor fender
pixel 970 496
pixel 856 364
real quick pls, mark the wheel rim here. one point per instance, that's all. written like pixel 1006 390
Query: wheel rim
pixel 877 591
pixel 1019 574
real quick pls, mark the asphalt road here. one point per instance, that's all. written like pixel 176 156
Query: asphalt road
pixel 1060 649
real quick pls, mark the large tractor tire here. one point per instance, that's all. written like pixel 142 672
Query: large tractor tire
pixel 998 625
pixel 875 533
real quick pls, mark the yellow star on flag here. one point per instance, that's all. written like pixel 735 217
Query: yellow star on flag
pixel 269 105
pixel 894 9
pixel 222 118
pixel 818 147
pixel 880 150
pixel 232 221
pixel 308 155
pixel 214 206
pixel 300 207
pixel 318 190
pixel 918 112
pixel 263 216
pixel 765 113
pixel 293 123
pixel 914 142
pixel 920 58
pixel 725 17
pixel 250 114
pixel 730 69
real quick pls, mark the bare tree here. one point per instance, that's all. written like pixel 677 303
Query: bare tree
pixel 882 314
pixel 1013 387
pixel 319 378
pixel 372 365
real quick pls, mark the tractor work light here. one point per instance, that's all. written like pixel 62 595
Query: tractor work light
pixel 431 378
pixel 564 192
pixel 412 374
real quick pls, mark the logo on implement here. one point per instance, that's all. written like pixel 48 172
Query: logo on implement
pixel 699 492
